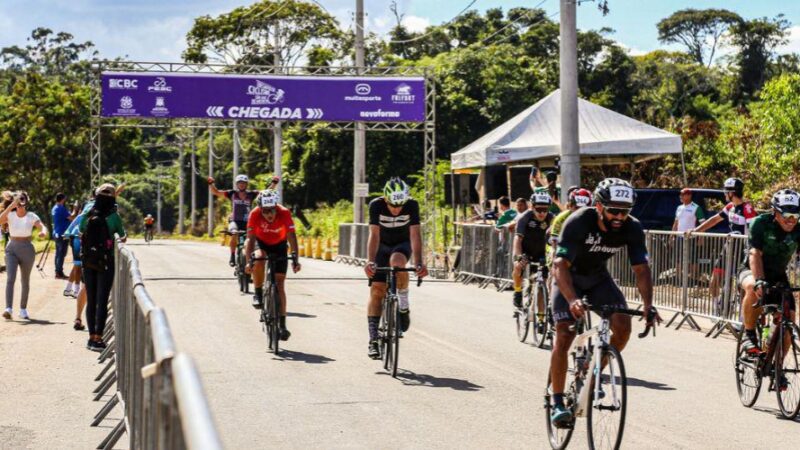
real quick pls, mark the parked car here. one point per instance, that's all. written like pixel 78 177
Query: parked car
pixel 655 208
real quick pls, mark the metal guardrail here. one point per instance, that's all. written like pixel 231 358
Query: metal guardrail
pixel 158 388
pixel 353 243
pixel 693 275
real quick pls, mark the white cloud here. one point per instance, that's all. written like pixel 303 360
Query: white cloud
pixel 633 51
pixel 794 41
pixel 416 23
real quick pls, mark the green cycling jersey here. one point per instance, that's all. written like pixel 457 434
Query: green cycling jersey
pixel 777 246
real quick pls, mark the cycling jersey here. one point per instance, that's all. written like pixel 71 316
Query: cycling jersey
pixel 533 233
pixel 558 224
pixel 507 217
pixel 149 222
pixel 587 247
pixel 777 246
pixel 739 217
pixel 394 229
pixel 270 233
pixel 241 207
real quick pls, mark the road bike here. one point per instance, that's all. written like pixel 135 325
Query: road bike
pixel 779 363
pixel 596 385
pixel 536 309
pixel 389 330
pixel 270 312
pixel 239 267
pixel 148 234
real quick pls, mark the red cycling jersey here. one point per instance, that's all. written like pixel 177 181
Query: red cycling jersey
pixel 270 233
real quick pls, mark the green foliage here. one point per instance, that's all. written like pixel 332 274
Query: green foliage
pixel 697 30
pixel 325 220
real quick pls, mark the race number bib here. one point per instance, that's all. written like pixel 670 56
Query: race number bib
pixel 397 197
pixel 541 198
pixel 621 194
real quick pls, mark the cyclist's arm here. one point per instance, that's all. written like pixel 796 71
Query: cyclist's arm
pixel 564 279
pixel 756 263
pixel 416 244
pixel 517 246
pixel 292 238
pixel 250 245
pixel 644 282
pixel 708 224
pixel 372 242
pixel 213 188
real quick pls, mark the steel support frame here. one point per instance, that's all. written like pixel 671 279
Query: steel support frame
pixel 427 127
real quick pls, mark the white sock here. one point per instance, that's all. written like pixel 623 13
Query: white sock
pixel 69 286
pixel 77 290
pixel 402 295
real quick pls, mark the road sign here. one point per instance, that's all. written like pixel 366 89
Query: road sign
pixel 362 189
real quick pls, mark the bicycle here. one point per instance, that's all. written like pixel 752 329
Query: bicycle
pixel 542 319
pixel 388 331
pixel 148 234
pixel 773 361
pixel 596 386
pixel 269 314
pixel 239 268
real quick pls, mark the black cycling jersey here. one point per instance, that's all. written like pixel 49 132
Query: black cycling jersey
pixel 587 247
pixel 394 229
pixel 241 208
pixel 533 233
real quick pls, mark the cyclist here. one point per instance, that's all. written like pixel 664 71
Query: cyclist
pixel 270 225
pixel 530 239
pixel 148 224
pixel 773 239
pixel 241 198
pixel 589 237
pixel 577 198
pixel 740 214
pixel 394 234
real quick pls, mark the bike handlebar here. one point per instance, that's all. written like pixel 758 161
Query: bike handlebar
pixel 395 270
pixel 601 310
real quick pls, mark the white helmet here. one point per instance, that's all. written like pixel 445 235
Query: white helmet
pixel 269 198
pixel 242 179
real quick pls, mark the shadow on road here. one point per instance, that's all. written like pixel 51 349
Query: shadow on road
pixel 38 322
pixel 636 382
pixel 300 315
pixel 409 378
pixel 308 358
pixel 775 412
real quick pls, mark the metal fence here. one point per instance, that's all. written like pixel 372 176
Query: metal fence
pixel 693 275
pixel 158 388
pixel 353 243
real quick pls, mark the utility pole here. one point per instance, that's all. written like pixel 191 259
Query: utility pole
pixel 210 174
pixel 236 150
pixel 181 199
pixel 158 203
pixel 570 143
pixel 193 212
pixel 359 137
pixel 278 131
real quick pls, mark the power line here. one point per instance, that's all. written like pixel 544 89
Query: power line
pixel 510 35
pixel 526 14
pixel 405 41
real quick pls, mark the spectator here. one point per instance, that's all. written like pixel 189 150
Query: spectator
pixel 507 214
pixel 98 228
pixel 688 215
pixel 61 220
pixel 75 288
pixel 6 200
pixel 20 253
pixel 548 184
pixel 520 206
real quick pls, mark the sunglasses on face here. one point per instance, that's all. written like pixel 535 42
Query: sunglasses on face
pixel 541 210
pixel 618 211
pixel 269 211
pixel 789 216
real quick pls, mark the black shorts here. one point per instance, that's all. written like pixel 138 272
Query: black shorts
pixel 773 297
pixel 385 253
pixel 241 225
pixel 279 250
pixel 599 289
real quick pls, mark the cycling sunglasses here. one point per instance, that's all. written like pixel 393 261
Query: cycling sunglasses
pixel 269 210
pixel 788 215
pixel 618 211
pixel 541 210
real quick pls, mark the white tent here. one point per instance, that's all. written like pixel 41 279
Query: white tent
pixel 535 135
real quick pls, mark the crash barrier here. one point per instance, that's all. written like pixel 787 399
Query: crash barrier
pixel 353 243
pixel 158 388
pixel 694 275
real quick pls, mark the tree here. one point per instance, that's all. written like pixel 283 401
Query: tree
pixel 247 34
pixel 50 54
pixel 756 41
pixel 697 29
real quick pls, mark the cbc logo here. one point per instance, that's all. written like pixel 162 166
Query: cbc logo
pixel 123 83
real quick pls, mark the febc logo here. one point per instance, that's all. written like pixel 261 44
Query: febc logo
pixel 123 83
pixel 363 89
pixel 159 85
pixel 402 94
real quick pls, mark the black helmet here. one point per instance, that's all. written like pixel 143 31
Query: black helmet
pixel 786 200
pixel 616 192
pixel 734 185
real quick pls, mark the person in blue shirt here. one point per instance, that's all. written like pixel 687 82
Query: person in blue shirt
pixel 75 287
pixel 61 220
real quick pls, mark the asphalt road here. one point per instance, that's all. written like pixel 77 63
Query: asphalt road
pixel 466 382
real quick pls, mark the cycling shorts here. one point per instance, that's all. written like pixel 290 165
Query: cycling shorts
pixel 278 250
pixel 599 289
pixel 773 297
pixel 384 255
pixel 241 225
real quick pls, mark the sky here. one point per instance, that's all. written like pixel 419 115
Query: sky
pixel 154 30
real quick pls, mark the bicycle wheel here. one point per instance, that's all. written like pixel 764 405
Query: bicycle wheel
pixel 387 327
pixel 266 317
pixel 539 316
pixel 605 413
pixel 746 367
pixel 558 437
pixel 788 368
pixel 395 342
pixel 276 313
pixel 521 316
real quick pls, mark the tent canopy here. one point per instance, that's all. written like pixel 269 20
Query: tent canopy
pixel 535 135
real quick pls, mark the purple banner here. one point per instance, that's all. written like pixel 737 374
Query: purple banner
pixel 262 97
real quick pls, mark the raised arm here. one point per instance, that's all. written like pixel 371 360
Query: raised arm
pixel 214 189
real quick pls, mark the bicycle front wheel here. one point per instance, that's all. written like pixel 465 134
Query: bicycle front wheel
pixel 388 329
pixel 558 437
pixel 787 372
pixel 275 300
pixel 538 318
pixel 605 414
pixel 521 316
pixel 746 367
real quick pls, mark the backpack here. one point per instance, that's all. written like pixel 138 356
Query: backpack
pixel 96 243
